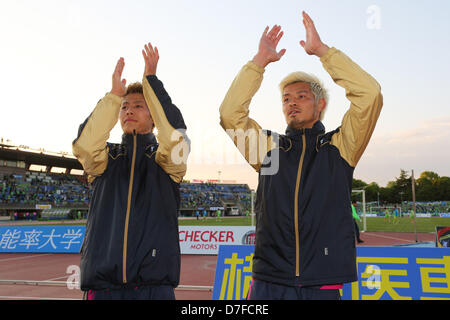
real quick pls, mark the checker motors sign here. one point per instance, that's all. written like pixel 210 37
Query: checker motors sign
pixel 43 239
pixel 206 239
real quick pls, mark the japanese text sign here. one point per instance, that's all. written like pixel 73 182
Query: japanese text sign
pixel 384 273
pixel 42 239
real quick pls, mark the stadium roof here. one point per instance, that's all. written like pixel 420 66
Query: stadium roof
pixel 38 157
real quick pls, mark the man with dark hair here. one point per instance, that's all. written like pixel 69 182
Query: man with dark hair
pixel 131 247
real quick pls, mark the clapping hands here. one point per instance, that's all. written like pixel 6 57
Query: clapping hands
pixel 267 50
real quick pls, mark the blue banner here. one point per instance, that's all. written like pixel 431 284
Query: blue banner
pixel 384 273
pixel 400 273
pixel 42 239
pixel 233 272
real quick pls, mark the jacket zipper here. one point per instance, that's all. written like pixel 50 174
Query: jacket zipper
pixel 297 190
pixel 127 217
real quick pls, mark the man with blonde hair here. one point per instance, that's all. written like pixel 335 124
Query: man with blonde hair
pixel 316 86
pixel 304 231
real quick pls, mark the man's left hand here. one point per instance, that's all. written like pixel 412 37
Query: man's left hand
pixel 151 58
pixel 313 45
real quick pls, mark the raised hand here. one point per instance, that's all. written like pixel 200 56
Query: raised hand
pixel 267 51
pixel 118 84
pixel 151 58
pixel 313 44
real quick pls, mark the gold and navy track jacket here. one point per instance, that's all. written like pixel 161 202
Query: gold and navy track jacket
pixel 132 229
pixel 304 226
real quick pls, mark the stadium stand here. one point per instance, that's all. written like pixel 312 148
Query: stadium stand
pixel 63 195
pixel 28 194
pixel 213 196
pixel 59 195
pixel 65 191
pixel 24 191
pixel 42 188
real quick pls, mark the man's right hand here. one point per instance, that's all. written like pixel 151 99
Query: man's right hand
pixel 118 84
pixel 267 51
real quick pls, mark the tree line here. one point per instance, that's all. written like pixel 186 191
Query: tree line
pixel 429 186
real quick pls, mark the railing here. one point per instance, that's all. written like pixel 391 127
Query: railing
pixel 32 206
pixel 76 284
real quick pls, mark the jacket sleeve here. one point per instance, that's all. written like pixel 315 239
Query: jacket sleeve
pixel 174 145
pixel 252 142
pixel 366 102
pixel 90 146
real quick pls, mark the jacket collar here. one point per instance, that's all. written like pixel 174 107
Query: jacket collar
pixel 143 140
pixel 318 128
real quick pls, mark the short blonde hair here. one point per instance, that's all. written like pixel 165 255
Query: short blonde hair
pixel 315 84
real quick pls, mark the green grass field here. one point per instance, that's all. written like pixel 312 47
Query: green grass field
pixel 405 224
pixel 378 224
